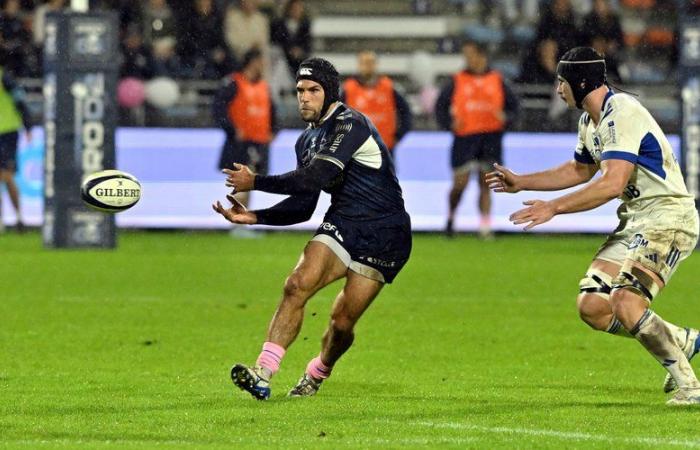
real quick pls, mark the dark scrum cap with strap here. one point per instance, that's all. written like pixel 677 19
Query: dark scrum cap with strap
pixel 324 73
pixel 584 69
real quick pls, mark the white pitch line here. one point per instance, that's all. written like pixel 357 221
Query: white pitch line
pixel 564 434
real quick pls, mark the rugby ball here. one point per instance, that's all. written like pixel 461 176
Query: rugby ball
pixel 110 191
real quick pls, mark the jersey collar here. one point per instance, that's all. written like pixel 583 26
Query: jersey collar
pixel 328 114
pixel 607 97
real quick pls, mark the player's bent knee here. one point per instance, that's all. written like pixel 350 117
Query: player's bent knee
pixel 593 300
pixel 297 285
pixel 594 310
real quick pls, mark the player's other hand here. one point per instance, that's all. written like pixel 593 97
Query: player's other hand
pixel 502 179
pixel 241 178
pixel 536 213
pixel 237 213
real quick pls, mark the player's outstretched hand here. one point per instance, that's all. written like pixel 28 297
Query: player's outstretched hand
pixel 536 213
pixel 241 178
pixel 237 213
pixel 502 179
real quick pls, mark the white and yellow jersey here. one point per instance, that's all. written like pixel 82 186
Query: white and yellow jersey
pixel 627 131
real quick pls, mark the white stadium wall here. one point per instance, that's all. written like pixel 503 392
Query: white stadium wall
pixel 178 172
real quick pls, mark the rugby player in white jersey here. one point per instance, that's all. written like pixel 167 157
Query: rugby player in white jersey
pixel 658 220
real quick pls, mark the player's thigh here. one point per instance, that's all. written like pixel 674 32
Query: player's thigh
pixel 317 267
pixel 356 296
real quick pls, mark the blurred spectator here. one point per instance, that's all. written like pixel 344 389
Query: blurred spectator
pixel 13 116
pixel 40 18
pixel 15 39
pixel 600 44
pixel 166 62
pixel 201 42
pixel 604 23
pixel 375 96
pixel 245 27
pixel 539 66
pixel 558 23
pixel 158 21
pixel 477 106
pixel 138 59
pixel 292 32
pixel 243 108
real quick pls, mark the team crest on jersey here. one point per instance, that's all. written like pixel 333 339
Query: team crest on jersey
pixel 343 128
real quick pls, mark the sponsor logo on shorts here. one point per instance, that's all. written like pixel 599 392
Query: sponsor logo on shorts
pixel 327 226
pixel 638 241
pixel 378 262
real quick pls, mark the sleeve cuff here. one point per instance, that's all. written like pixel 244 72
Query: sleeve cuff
pixel 614 154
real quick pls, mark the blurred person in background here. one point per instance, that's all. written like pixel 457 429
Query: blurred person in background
pixel 604 22
pixel 15 39
pixel 244 109
pixel 477 106
pixel 165 62
pixel 245 27
pixel 13 116
pixel 138 59
pixel 375 96
pixel 558 23
pixel 602 30
pixel 39 21
pixel 158 21
pixel 292 32
pixel 201 42
pixel 540 63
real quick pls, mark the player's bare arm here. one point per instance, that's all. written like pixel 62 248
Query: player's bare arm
pixel 571 173
pixel 237 213
pixel 615 174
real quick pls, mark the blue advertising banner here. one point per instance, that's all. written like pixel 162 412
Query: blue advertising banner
pixel 180 179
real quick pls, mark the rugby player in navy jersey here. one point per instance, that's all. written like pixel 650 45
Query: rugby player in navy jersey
pixel 365 236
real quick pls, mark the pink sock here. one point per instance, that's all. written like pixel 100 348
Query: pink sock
pixel 270 357
pixel 485 222
pixel 317 369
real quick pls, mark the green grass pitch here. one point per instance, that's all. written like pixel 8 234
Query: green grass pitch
pixel 476 345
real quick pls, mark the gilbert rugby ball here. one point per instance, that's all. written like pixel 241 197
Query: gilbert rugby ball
pixel 110 191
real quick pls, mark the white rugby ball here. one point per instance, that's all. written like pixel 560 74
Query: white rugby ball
pixel 110 191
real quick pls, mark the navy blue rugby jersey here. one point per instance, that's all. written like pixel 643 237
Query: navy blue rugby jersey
pixel 367 188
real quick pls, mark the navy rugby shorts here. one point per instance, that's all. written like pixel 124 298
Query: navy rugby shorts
pixel 376 249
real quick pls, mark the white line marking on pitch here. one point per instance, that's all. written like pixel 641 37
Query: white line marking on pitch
pixel 563 434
